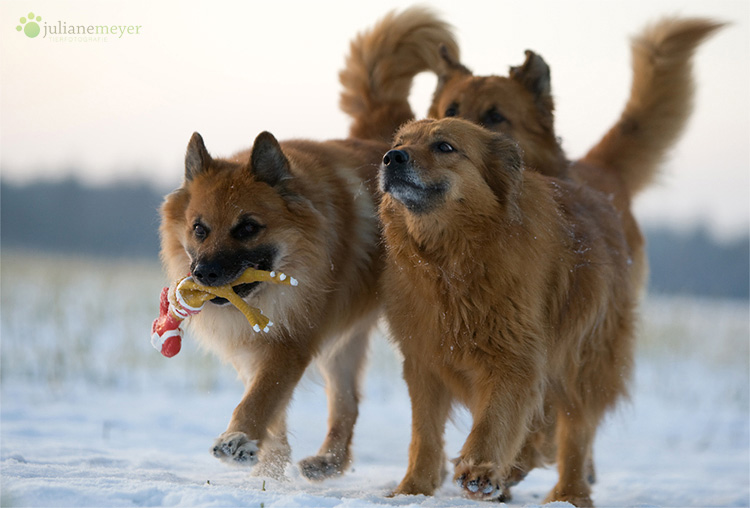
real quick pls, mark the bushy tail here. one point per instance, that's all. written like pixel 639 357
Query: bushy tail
pixel 381 65
pixel 661 99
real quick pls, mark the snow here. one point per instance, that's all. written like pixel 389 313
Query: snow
pixel 91 415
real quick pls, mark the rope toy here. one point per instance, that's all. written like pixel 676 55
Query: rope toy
pixel 189 297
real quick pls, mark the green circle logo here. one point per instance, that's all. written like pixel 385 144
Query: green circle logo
pixel 30 26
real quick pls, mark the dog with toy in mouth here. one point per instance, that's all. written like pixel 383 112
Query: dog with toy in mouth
pixel 302 208
pixel 307 209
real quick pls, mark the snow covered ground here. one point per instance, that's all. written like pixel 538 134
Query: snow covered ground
pixel 91 415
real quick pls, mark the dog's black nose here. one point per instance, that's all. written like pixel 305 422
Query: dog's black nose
pixel 395 158
pixel 209 274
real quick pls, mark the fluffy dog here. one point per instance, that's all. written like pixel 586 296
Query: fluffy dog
pixel 512 293
pixel 308 209
pixel 459 270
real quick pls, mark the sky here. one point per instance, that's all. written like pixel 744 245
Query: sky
pixel 122 107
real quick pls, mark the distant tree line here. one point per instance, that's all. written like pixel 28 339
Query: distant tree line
pixel 67 216
pixel 122 221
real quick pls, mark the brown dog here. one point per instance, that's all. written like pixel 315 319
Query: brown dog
pixel 627 158
pixel 308 209
pixel 512 293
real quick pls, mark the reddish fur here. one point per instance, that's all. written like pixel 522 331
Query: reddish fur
pixel 517 300
pixel 329 241
pixel 325 227
pixel 530 123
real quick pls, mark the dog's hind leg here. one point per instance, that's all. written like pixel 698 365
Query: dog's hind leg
pixel 538 450
pixel 341 366
pixel 575 437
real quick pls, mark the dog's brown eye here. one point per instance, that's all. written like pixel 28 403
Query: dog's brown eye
pixel 452 110
pixel 200 231
pixel 445 147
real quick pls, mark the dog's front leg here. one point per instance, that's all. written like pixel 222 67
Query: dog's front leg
pixel 502 413
pixel 265 398
pixel 430 405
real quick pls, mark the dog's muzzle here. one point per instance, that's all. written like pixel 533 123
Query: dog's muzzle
pixel 400 179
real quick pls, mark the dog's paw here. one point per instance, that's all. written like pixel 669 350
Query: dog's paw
pixel 579 497
pixel 321 467
pixel 236 448
pixel 479 481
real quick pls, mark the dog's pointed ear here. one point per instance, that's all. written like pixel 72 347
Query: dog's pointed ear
pixel 452 63
pixel 197 158
pixel 534 75
pixel 267 162
pixel 452 68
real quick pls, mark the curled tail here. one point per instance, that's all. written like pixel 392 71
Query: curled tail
pixel 661 99
pixel 381 65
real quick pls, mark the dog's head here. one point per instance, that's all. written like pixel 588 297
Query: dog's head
pixel 519 106
pixel 229 214
pixel 451 168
